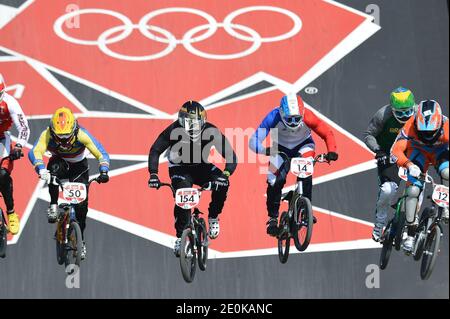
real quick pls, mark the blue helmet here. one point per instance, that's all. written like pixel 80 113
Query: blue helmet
pixel 291 111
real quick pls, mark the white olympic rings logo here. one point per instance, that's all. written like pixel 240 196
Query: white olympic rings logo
pixel 189 38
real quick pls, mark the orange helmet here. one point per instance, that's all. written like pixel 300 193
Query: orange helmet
pixel 428 121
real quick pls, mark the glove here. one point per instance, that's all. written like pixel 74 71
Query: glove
pixel 16 153
pixel 332 156
pixel 103 178
pixel 44 174
pixel 414 171
pixel 381 157
pixel 154 181
pixel 221 181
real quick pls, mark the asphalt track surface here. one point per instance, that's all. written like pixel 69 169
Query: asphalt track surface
pixel 412 47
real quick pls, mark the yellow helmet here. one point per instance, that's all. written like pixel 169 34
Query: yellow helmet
pixel 63 126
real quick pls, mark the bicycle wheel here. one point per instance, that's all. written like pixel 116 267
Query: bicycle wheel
pixel 74 245
pixel 430 252
pixel 284 240
pixel 202 244
pixel 61 252
pixel 387 239
pixel 187 255
pixel 3 236
pixel 421 233
pixel 302 231
pixel 399 224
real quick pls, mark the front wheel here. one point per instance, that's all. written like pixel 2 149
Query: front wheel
pixel 188 255
pixel 303 228
pixel 202 244
pixel 399 224
pixel 387 240
pixel 3 236
pixel 284 239
pixel 74 245
pixel 430 252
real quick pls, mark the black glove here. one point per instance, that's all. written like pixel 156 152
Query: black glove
pixel 381 157
pixel 221 181
pixel 16 152
pixel 332 156
pixel 103 178
pixel 154 181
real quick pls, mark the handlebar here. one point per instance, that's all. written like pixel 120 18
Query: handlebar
pixel 56 181
pixel 321 158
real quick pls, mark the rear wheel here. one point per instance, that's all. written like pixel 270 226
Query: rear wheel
pixel 187 255
pixel 430 252
pixel 202 244
pixel 302 230
pixel 284 240
pixel 387 239
pixel 3 236
pixel 73 246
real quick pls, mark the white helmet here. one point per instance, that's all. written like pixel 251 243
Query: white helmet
pixel 2 87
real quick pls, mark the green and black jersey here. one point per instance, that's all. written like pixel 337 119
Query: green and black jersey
pixel 382 131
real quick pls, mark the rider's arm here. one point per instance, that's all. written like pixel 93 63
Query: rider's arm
pixel 321 129
pixel 269 122
pixel 161 144
pixel 19 119
pixel 223 146
pixel 37 152
pixel 374 129
pixel 95 148
pixel 400 146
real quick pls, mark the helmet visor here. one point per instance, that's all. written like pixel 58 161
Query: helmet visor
pixel 293 121
pixel 64 140
pixel 403 115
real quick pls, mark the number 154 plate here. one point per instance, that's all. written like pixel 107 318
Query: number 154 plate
pixel 187 198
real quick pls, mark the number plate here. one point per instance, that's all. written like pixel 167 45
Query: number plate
pixel 440 195
pixel 187 198
pixel 302 167
pixel 403 173
pixel 74 193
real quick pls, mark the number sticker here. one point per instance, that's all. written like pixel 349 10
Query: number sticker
pixel 440 196
pixel 187 198
pixel 302 167
pixel 74 193
pixel 403 173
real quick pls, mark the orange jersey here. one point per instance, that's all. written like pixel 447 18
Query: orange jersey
pixel 407 140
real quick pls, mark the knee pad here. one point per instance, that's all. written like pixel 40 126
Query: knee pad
pixel 388 190
pixel 413 191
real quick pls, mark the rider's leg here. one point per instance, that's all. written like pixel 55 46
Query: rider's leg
pixel 6 188
pixel 307 150
pixel 442 166
pixel 79 173
pixel 180 179
pixel 218 197
pixel 276 179
pixel 60 168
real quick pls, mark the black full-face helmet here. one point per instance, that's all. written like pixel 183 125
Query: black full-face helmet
pixel 192 117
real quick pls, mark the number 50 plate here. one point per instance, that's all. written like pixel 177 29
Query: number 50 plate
pixel 302 167
pixel 187 198
pixel 74 193
pixel 440 195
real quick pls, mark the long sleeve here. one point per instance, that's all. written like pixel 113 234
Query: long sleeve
pixel 373 130
pixel 161 144
pixel 269 122
pixel 96 148
pixel 401 143
pixel 19 120
pixel 225 149
pixel 321 129
pixel 36 154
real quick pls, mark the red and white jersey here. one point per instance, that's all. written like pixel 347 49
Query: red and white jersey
pixel 11 112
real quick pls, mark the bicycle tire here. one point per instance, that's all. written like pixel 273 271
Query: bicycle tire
pixel 387 245
pixel 399 224
pixel 430 252
pixel 74 245
pixel 202 244
pixel 187 255
pixel 284 238
pixel 302 209
pixel 61 252
pixel 3 237
pixel 420 240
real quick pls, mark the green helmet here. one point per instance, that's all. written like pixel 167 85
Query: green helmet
pixel 402 104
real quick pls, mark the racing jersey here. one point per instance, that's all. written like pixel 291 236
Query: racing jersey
pixel 182 150
pixel 11 112
pixel 408 139
pixel 84 141
pixel 382 130
pixel 288 138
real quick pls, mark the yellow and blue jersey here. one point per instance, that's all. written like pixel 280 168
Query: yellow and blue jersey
pixel 76 154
